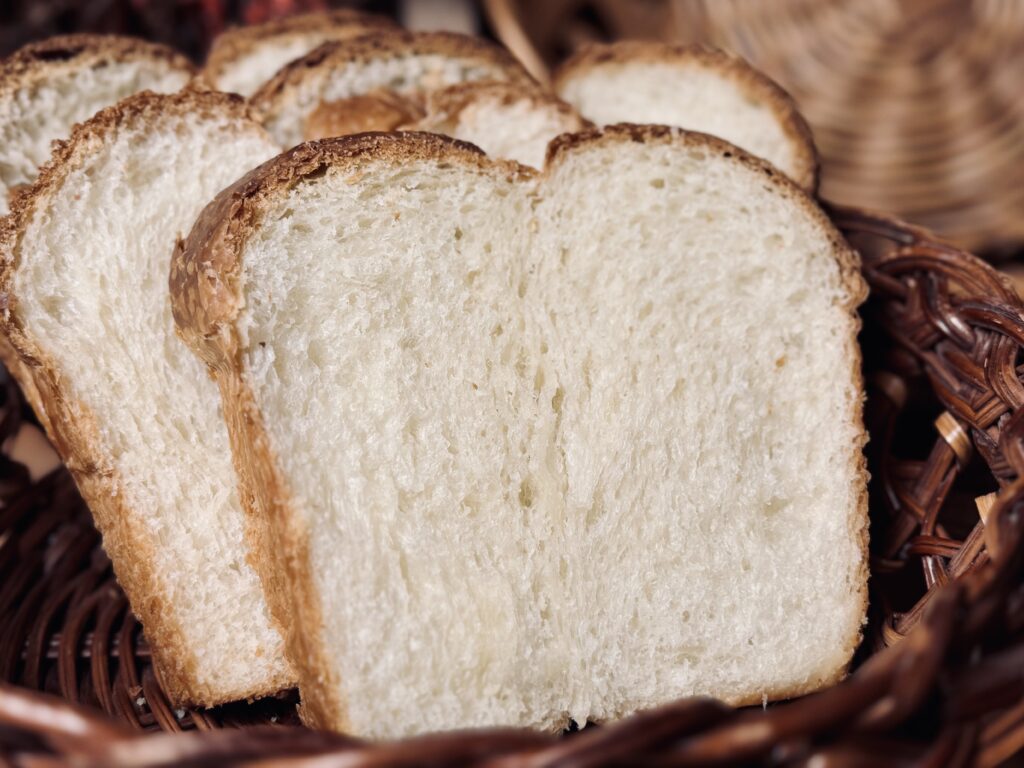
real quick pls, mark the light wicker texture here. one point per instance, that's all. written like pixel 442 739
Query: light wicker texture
pixel 940 677
pixel 915 104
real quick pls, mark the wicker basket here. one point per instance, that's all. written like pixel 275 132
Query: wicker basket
pixel 916 105
pixel 939 679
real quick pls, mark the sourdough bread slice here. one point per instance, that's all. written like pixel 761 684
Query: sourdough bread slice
pixel 83 285
pixel 244 58
pixel 539 448
pixel 409 65
pixel 694 88
pixel 47 87
pixel 506 120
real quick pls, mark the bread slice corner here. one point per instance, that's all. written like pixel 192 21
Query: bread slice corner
pixel 695 88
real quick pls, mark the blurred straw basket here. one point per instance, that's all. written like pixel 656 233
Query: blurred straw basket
pixel 917 106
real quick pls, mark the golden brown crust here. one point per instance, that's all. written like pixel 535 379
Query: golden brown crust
pixel 443 107
pixel 207 301
pixel 339 24
pixel 752 82
pixel 44 59
pixel 309 71
pixel 74 430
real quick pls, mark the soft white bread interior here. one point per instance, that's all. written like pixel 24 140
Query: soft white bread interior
pixel 47 87
pixel 406 64
pixel 694 88
pixel 135 416
pixel 244 58
pixel 540 448
pixel 506 120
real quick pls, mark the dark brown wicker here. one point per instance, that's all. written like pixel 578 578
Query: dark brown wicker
pixel 939 680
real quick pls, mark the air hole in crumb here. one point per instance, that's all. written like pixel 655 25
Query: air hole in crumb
pixel 538 380
pixel 645 310
pixel 557 399
pixel 686 615
pixel 522 289
pixel 458 233
pixel 564 256
pixel 658 183
pixel 471 277
pixel 526 494
pixel 781 362
pixel 487 247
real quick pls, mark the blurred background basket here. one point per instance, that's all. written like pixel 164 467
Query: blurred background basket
pixel 938 680
pixel 917 106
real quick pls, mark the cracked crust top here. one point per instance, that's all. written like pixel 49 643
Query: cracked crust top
pixel 752 82
pixel 310 72
pixel 445 105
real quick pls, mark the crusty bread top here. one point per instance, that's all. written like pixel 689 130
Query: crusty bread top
pixel 66 53
pixel 377 46
pixel 236 42
pixel 752 82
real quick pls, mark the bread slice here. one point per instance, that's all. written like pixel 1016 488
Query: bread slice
pixel 539 448
pixel 506 120
pixel 694 88
pixel 83 286
pixel 244 58
pixel 47 87
pixel 407 64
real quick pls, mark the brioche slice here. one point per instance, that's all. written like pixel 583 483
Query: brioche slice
pixel 341 76
pixel 47 87
pixel 506 120
pixel 694 88
pixel 244 58
pixel 86 253
pixel 539 448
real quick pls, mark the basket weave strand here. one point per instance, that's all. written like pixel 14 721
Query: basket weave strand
pixel 939 679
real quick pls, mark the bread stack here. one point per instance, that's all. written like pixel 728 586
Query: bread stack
pixel 449 439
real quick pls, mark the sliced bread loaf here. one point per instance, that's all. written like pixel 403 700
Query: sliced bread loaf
pixel 344 78
pixel 83 286
pixel 47 87
pixel 507 120
pixel 694 88
pixel 539 448
pixel 244 58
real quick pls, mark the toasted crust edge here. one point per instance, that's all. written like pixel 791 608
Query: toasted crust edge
pixel 32 62
pixel 234 43
pixel 752 82
pixel 73 428
pixel 271 98
pixel 207 300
